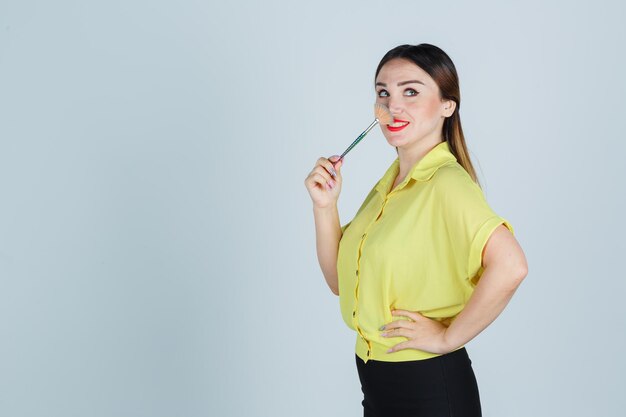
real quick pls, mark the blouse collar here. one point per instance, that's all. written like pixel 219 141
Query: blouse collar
pixel 423 169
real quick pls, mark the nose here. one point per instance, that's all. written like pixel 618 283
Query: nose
pixel 395 106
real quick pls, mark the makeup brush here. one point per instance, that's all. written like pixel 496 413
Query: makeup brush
pixel 383 116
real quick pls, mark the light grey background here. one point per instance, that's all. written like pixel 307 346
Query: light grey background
pixel 157 252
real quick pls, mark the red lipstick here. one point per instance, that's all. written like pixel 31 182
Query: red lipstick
pixel 399 128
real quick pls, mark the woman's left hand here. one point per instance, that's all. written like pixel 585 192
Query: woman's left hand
pixel 423 333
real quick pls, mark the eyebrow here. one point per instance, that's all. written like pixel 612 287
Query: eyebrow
pixel 401 83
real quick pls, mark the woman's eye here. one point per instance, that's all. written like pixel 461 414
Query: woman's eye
pixel 410 92
pixel 383 93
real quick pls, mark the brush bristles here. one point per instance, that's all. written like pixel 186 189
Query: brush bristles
pixel 383 114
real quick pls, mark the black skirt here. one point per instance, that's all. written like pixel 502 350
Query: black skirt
pixel 443 386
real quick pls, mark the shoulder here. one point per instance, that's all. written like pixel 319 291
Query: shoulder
pixel 452 180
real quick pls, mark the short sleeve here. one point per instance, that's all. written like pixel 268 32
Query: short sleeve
pixel 474 262
pixel 345 226
pixel 469 220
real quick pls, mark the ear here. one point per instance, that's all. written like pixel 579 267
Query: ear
pixel 448 107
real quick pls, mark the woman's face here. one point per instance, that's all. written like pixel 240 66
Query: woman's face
pixel 413 99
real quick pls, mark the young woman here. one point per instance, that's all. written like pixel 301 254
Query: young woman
pixel 425 265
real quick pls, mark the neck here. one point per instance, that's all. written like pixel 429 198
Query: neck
pixel 408 157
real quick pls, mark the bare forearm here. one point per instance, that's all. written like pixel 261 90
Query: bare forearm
pixel 493 292
pixel 327 236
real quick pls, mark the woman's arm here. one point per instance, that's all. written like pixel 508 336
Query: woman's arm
pixel 324 185
pixel 327 235
pixel 504 266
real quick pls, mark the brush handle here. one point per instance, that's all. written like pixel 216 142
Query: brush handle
pixel 357 140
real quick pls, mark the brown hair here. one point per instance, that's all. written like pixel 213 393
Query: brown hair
pixel 440 67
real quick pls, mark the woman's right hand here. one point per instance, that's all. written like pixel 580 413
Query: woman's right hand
pixel 323 187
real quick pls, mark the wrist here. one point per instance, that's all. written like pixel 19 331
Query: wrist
pixel 446 345
pixel 330 207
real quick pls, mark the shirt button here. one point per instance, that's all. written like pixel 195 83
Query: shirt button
pixel 364 234
pixel 357 272
pixel 354 314
pixel 368 352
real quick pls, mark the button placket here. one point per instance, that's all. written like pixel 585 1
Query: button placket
pixel 356 289
pixel 356 292
pixel 382 209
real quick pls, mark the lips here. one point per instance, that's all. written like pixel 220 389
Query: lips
pixel 397 125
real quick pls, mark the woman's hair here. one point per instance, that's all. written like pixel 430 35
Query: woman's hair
pixel 441 68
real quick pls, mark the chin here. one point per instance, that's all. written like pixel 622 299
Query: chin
pixel 395 142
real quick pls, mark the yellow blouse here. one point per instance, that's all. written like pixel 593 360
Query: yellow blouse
pixel 417 247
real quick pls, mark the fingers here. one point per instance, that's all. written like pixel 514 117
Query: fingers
pixel 325 174
pixel 398 332
pixel 323 179
pixel 321 170
pixel 336 162
pixel 397 328
pixel 400 346
pixel 420 331
pixel 397 324
pixel 328 166
pixel 415 316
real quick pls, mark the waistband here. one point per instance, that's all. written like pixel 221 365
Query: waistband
pixel 457 356
pixel 368 350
